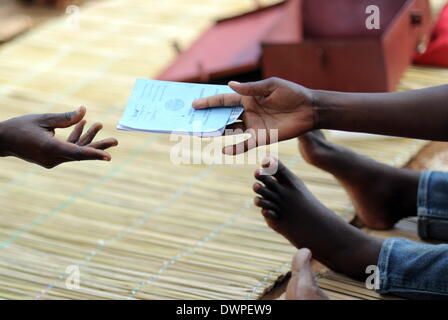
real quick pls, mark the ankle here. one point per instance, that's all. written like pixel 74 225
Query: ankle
pixel 355 252
pixel 354 261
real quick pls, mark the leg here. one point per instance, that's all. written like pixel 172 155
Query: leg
pixel 413 270
pixel 302 285
pixel 290 209
pixel 381 194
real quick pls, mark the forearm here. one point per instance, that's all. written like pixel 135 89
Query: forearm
pixel 421 114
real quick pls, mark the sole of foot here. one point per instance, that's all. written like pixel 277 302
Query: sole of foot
pixel 382 195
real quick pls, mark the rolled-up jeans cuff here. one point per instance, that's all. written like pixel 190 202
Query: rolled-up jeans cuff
pixel 383 266
pixel 413 270
pixel 432 205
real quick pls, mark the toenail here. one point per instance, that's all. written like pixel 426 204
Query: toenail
pixel 266 161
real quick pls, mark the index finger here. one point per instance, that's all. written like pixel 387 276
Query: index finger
pixel 220 100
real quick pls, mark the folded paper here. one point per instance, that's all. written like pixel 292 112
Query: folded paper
pixel 166 107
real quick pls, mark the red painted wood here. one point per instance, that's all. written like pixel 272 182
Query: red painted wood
pixel 231 46
pixel 322 44
pixel 342 54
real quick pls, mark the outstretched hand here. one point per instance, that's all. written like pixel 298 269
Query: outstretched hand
pixel 272 104
pixel 32 138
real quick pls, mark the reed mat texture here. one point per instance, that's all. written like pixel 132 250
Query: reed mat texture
pixel 139 227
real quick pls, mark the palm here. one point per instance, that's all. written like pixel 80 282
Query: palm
pixel 32 138
pixel 291 118
pixel 269 105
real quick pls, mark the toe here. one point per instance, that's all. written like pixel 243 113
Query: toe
pixel 270 215
pixel 283 174
pixel 265 192
pixel 267 180
pixel 265 204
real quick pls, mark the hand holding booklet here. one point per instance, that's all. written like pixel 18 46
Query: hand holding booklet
pixel 166 107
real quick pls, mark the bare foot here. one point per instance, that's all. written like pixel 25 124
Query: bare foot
pixel 302 285
pixel 381 194
pixel 290 209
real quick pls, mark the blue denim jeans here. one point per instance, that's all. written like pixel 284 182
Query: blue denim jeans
pixel 416 270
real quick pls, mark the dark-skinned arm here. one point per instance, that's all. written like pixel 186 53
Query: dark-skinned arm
pixel 421 114
pixel 292 110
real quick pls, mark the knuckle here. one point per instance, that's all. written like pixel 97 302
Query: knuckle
pixel 92 131
pixel 47 118
pixel 77 155
pixel 67 116
pixel 221 99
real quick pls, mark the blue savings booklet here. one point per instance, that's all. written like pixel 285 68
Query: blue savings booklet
pixel 166 107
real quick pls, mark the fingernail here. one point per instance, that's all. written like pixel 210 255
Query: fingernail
pixel 256 186
pixel 257 172
pixel 227 151
pixel 234 82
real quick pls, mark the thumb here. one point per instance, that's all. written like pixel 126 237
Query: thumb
pixel 257 88
pixel 301 275
pixel 62 120
pixel 301 261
